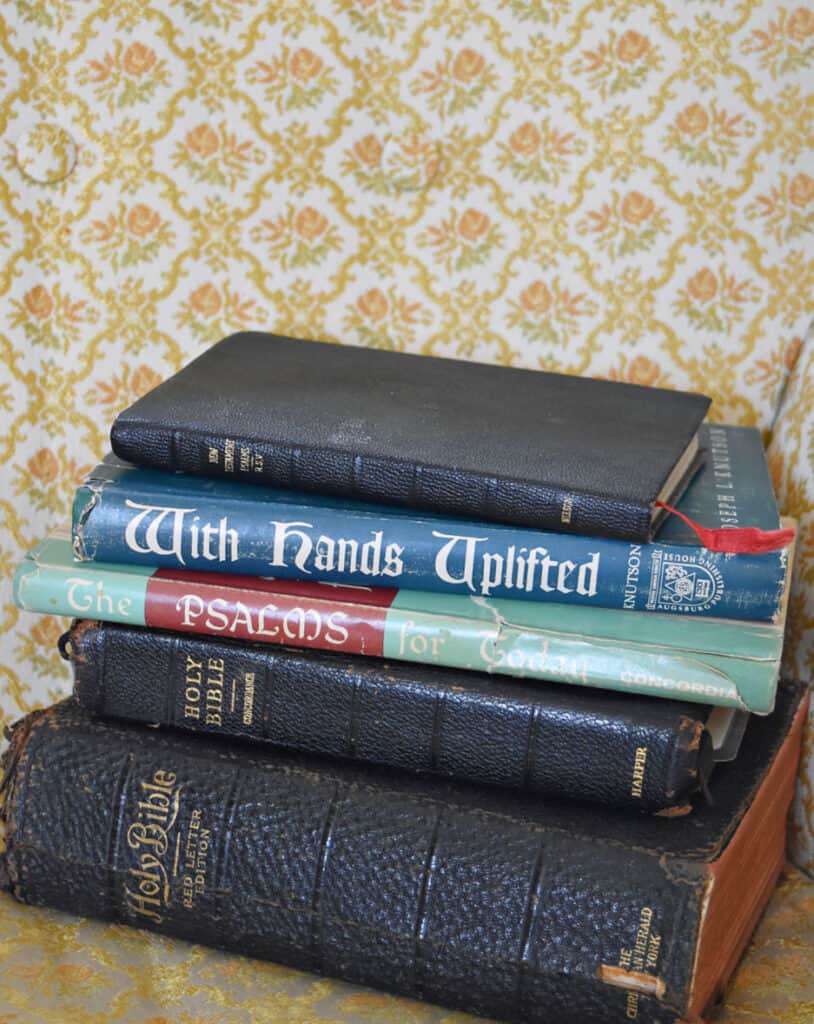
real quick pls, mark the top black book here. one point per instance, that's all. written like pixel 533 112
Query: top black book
pixel 534 449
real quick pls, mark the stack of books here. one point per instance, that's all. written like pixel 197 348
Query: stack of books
pixel 460 704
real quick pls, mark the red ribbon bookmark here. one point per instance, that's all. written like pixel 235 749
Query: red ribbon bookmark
pixel 736 540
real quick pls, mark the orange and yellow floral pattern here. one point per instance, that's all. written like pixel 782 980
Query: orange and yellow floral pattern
pixel 615 189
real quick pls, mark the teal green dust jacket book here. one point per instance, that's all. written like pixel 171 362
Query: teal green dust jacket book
pixel 712 661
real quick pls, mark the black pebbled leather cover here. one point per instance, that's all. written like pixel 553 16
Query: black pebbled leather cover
pixel 644 753
pixel 484 900
pixel 485 442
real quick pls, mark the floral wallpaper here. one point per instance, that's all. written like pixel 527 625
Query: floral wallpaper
pixel 618 189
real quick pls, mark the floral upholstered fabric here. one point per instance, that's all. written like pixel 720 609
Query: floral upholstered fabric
pixel 64 970
pixel 619 189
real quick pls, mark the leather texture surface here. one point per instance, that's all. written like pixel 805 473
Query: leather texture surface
pixel 489 902
pixel 488 442
pixel 553 740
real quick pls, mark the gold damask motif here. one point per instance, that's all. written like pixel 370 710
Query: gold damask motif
pixel 618 189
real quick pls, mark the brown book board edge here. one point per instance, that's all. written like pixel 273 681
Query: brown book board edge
pixel 741 880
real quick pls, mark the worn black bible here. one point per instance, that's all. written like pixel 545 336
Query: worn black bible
pixel 618 749
pixel 474 897
pixel 484 442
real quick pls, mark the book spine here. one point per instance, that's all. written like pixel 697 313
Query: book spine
pixel 323 868
pixel 404 625
pixel 255 533
pixel 555 741
pixel 392 481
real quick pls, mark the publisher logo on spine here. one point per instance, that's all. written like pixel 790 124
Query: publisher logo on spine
pixel 684 583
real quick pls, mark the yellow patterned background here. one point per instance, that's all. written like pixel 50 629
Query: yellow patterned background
pixel 620 189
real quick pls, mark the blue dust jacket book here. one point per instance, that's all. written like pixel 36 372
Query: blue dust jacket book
pixel 124 514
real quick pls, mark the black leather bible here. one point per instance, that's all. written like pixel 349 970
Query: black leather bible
pixel 477 898
pixel 644 753
pixel 484 442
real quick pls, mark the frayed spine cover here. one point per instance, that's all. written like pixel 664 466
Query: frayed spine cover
pixel 18 735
